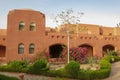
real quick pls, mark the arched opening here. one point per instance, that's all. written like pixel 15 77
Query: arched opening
pixel 2 51
pixel 32 26
pixel 56 50
pixel 90 49
pixel 21 26
pixel 31 48
pixel 21 48
pixel 108 47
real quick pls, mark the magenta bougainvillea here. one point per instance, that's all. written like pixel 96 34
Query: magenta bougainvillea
pixel 78 54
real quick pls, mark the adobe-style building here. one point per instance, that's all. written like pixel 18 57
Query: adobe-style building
pixel 26 35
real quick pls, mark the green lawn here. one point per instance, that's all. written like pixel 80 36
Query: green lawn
pixel 2 77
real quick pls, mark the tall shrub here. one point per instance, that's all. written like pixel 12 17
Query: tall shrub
pixel 38 67
pixel 73 69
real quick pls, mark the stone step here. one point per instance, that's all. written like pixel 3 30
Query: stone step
pixel 56 65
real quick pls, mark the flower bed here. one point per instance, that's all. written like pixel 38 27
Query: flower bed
pixel 40 67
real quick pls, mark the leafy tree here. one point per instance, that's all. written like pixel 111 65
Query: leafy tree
pixel 69 23
pixel 70 20
pixel 68 17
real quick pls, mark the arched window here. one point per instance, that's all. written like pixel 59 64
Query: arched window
pixel 20 48
pixel 32 26
pixel 31 48
pixel 21 26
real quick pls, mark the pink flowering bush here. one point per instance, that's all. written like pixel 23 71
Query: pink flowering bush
pixel 78 54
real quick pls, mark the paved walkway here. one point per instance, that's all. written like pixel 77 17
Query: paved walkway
pixel 115 72
pixel 31 77
pixel 26 76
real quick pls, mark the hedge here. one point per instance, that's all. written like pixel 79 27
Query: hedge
pixel 72 70
pixel 91 75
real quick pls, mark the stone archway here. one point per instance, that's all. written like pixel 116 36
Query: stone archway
pixel 108 47
pixel 90 49
pixel 2 51
pixel 55 50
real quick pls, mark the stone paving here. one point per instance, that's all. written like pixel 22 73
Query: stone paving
pixel 32 77
pixel 115 72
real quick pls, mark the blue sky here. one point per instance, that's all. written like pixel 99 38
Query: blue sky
pixel 100 12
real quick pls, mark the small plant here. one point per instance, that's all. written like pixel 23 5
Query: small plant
pixel 111 53
pixel 91 61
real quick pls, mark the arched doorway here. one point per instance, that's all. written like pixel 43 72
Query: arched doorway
pixel 90 49
pixel 55 50
pixel 2 51
pixel 108 47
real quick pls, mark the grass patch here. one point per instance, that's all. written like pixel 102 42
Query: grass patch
pixel 3 77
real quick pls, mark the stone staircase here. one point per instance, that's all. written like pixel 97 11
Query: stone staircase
pixel 57 63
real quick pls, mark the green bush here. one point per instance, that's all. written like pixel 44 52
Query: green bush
pixel 72 69
pixel 104 64
pixel 15 66
pixel 82 74
pixel 38 67
pixel 107 58
pixel 91 75
pixel 101 74
pixel 18 65
pixel 53 73
pixel 85 75
pixel 6 68
pixel 57 73
pixel 116 58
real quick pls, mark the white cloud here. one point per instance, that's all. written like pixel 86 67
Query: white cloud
pixel 3 21
pixel 50 22
pixel 108 20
